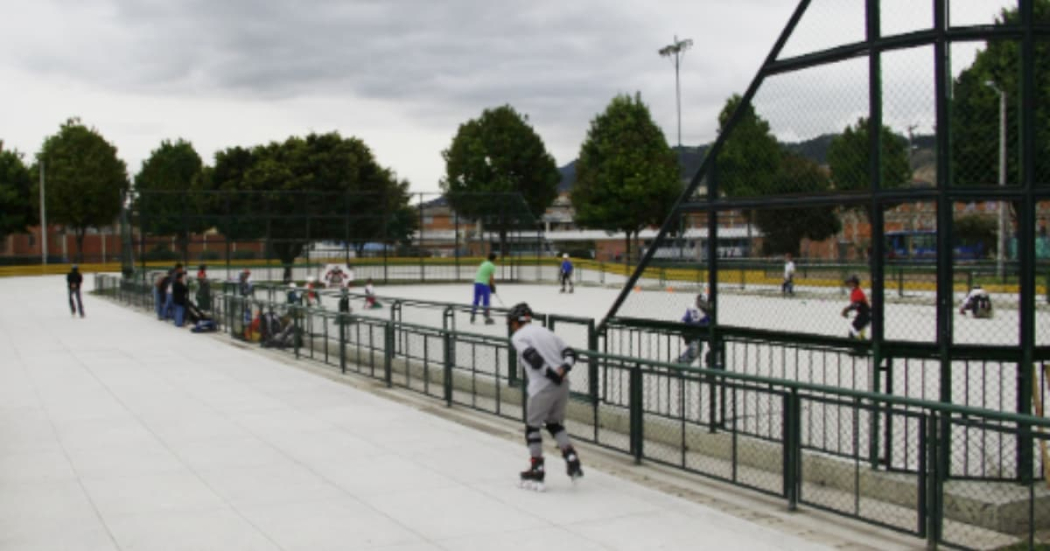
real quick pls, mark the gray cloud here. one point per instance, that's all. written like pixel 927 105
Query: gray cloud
pixel 441 62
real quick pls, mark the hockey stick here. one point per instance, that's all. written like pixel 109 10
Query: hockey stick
pixel 499 300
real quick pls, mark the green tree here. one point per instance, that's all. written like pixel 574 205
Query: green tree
pixel 973 229
pixel 626 175
pixel 321 187
pixel 165 186
pixel 16 206
pixel 784 229
pixel 85 181
pixel 849 159
pixel 975 108
pixel 750 156
pixel 494 158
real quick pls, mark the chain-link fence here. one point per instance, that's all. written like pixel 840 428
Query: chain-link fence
pixel 940 471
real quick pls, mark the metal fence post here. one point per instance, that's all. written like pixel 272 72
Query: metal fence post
pixel 388 355
pixel 934 512
pixel 340 318
pixel 592 365
pixel 792 447
pixel 446 381
pixel 637 436
pixel 296 312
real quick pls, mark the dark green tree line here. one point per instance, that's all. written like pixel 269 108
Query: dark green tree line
pixel 492 161
pixel 16 183
pixel 626 176
pixel 85 181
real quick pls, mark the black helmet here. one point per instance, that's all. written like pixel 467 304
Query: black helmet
pixel 853 279
pixel 520 312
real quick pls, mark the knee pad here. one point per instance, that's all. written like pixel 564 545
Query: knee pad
pixel 555 428
pixel 532 435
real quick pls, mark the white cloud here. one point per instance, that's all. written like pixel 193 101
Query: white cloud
pixel 401 75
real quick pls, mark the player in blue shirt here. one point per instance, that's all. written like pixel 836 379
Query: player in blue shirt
pixel 695 316
pixel 566 273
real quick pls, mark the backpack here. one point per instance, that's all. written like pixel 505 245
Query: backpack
pixel 271 325
pixel 204 326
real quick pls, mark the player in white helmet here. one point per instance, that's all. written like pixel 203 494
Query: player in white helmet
pixel 547 361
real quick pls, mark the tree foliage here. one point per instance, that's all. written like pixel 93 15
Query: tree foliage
pixel 849 159
pixel 85 181
pixel 975 108
pixel 971 229
pixel 320 187
pixel 626 175
pixel 491 160
pixel 750 156
pixel 161 186
pixel 784 229
pixel 16 205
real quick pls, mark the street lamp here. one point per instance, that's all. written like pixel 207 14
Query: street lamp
pixel 677 49
pixel 1000 253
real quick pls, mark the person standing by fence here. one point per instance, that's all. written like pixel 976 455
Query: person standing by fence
pixel 179 297
pixel 73 282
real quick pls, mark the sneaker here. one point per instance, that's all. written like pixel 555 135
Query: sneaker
pixel 490 321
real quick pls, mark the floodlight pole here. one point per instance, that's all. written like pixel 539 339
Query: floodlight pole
pixel 43 217
pixel 1000 253
pixel 677 49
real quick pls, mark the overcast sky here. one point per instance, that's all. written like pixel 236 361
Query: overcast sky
pixel 403 74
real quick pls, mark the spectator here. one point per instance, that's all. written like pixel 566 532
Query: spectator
pixel 73 281
pixel 203 289
pixel 179 296
pixel 169 300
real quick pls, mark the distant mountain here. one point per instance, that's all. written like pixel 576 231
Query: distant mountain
pixel 923 158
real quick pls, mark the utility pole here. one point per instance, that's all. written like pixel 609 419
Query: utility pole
pixel 43 217
pixel 1000 255
pixel 911 177
pixel 677 49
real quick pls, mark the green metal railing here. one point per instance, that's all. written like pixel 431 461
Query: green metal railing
pixel 759 432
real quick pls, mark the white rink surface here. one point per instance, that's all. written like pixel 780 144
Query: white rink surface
pixel 121 432
pixel 809 312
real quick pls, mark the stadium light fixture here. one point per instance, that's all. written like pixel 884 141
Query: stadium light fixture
pixel 677 50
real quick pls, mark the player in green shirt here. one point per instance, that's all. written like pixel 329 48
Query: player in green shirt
pixel 484 286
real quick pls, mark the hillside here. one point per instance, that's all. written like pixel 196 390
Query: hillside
pixel 923 159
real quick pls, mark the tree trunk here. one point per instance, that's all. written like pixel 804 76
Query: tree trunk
pixel 286 253
pixel 79 233
pixel 627 255
pixel 182 241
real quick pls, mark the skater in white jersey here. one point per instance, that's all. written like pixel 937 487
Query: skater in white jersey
pixel 546 360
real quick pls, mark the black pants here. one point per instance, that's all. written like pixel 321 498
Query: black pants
pixel 73 307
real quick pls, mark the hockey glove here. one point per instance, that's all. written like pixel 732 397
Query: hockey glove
pixel 492 288
pixel 554 376
pixel 569 358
